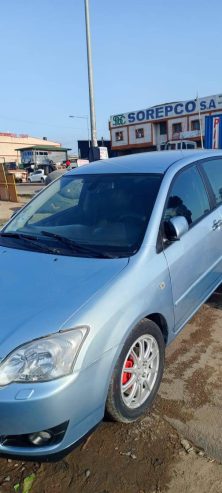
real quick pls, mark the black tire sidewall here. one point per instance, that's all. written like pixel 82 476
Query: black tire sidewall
pixel 143 328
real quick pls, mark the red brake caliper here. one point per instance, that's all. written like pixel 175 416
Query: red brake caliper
pixel 126 376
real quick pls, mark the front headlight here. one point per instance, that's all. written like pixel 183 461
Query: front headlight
pixel 43 359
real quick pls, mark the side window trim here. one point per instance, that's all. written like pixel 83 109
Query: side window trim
pixel 207 186
pixel 207 181
pixel 159 244
pixel 207 189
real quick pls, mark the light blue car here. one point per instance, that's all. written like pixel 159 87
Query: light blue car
pixel 97 274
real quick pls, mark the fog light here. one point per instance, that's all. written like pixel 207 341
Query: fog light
pixel 40 438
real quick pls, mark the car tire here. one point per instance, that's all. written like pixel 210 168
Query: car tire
pixel 127 403
pixel 29 180
pixel 42 180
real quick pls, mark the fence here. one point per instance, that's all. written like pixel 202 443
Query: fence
pixel 7 186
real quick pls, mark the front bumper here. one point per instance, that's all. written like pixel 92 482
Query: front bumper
pixel 77 400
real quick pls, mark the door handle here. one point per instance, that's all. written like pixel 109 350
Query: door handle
pixel 216 224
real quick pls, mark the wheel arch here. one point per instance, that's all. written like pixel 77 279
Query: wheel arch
pixel 159 320
pixel 114 406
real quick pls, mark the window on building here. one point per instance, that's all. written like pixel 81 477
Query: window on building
pixel 163 128
pixel 139 133
pixel 177 128
pixel 195 125
pixel 119 136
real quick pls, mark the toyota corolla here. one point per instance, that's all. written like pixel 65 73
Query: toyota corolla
pixel 98 273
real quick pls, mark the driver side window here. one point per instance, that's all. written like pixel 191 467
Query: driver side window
pixel 188 197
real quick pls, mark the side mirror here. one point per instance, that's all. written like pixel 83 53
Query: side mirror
pixel 176 227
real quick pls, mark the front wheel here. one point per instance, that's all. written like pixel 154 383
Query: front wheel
pixel 137 374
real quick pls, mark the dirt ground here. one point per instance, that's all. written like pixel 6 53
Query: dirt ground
pixel 147 457
pixel 150 456
pixel 8 208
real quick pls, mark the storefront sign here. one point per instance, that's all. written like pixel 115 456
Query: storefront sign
pixel 168 110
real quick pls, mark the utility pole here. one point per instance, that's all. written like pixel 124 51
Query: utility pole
pixel 90 76
pixel 200 122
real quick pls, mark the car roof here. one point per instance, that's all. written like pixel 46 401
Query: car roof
pixel 146 162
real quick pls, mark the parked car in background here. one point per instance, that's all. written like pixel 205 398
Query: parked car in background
pixel 176 145
pixel 119 255
pixel 37 176
pixel 19 173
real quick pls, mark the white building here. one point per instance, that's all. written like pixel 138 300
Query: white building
pixel 146 129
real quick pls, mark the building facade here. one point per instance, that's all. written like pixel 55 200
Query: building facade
pixel 147 129
pixel 9 142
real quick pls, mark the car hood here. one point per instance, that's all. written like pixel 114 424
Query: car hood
pixel 39 292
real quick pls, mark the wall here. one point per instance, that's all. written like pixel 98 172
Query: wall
pixel 147 134
pixel 10 142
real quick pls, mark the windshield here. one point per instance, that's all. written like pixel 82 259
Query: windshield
pixel 97 213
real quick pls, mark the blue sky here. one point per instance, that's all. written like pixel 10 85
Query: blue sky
pixel 145 52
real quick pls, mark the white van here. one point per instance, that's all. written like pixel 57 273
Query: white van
pixel 175 145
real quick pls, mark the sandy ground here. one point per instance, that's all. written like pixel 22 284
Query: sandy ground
pixel 146 457
pixel 7 208
pixel 191 392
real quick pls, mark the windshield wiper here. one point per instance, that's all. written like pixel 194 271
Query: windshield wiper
pixel 32 240
pixel 77 247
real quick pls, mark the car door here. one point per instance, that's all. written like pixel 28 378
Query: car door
pixel 40 176
pixel 37 176
pixel 195 260
pixel 34 177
